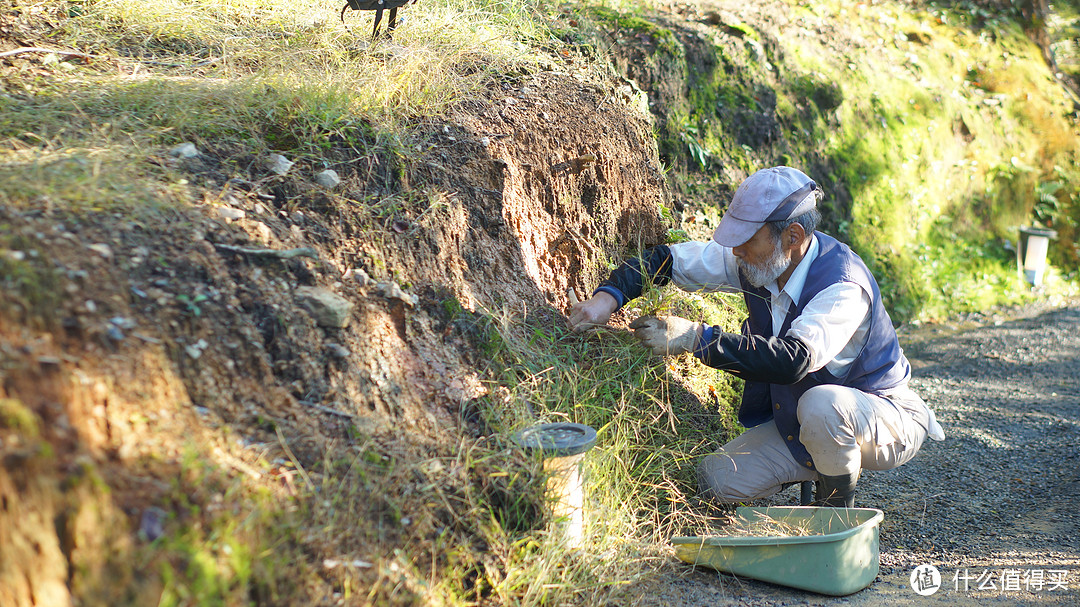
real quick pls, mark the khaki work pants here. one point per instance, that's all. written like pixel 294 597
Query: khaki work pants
pixel 842 428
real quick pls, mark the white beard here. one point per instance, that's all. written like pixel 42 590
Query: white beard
pixel 767 273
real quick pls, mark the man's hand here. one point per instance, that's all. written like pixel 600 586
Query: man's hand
pixel 593 312
pixel 669 336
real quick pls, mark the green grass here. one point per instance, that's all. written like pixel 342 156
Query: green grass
pixel 654 419
pixel 254 75
pixel 432 60
pixel 32 286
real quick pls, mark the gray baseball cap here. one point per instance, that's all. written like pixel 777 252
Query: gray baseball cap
pixel 773 194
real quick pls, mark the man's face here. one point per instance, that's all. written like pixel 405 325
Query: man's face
pixel 762 258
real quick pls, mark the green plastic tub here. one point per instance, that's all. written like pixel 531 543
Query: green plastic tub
pixel 838 556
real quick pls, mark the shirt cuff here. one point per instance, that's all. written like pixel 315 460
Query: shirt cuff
pixel 703 342
pixel 612 291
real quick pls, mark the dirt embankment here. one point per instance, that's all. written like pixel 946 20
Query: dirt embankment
pixel 135 342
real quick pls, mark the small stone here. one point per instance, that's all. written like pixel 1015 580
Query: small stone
pixel 101 249
pixel 231 214
pixel 195 350
pixel 49 361
pixel 90 306
pixel 335 563
pixel 265 233
pixel 184 150
pixel 358 275
pixel 338 351
pixel 278 164
pixel 122 323
pixel 328 179
pixel 392 290
pixel 327 308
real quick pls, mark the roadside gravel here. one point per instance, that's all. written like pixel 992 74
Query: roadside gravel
pixel 994 507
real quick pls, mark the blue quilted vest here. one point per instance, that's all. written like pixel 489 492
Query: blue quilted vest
pixel 880 366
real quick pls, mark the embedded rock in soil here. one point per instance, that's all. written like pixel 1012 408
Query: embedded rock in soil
pixel 329 309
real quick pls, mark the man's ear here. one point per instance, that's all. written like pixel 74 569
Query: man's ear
pixel 794 234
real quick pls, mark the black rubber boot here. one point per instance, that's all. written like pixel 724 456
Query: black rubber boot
pixel 837 491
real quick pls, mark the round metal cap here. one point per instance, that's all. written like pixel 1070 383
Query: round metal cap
pixel 559 439
pixel 1045 233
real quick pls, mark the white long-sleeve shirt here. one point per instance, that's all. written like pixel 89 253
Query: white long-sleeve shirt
pixel 834 325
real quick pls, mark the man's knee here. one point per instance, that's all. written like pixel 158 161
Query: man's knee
pixel 825 405
pixel 715 475
pixel 827 415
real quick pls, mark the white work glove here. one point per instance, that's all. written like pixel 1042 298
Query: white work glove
pixel 593 312
pixel 669 335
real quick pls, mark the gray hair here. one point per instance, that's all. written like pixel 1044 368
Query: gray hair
pixel 808 220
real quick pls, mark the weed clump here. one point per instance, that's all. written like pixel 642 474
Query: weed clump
pixel 30 289
pixel 654 418
pixel 15 416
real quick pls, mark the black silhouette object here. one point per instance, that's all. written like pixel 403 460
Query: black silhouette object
pixel 378 6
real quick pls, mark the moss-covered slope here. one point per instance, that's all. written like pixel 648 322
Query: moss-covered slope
pixel 936 133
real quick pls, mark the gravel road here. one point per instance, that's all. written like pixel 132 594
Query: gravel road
pixel 994 507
